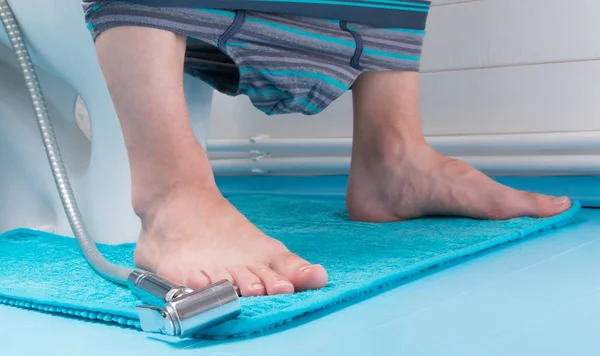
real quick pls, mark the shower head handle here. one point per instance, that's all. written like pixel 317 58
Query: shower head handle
pixel 179 311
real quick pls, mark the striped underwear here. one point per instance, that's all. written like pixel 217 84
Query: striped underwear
pixel 283 63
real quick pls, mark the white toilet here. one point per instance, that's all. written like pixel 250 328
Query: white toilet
pixel 506 94
pixel 69 74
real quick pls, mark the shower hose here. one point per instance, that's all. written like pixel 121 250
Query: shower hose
pixel 104 268
pixel 170 309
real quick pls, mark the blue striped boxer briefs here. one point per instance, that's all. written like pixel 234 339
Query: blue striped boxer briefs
pixel 283 63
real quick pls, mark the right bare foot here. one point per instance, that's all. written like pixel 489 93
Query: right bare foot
pixel 195 237
pixel 190 234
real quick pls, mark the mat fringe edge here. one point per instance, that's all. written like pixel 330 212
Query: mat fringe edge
pixel 79 313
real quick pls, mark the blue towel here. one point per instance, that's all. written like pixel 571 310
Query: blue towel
pixel 47 272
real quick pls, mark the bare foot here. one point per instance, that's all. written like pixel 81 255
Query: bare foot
pixel 422 182
pixel 196 237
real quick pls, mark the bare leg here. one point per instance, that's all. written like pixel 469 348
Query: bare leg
pixel 190 233
pixel 395 175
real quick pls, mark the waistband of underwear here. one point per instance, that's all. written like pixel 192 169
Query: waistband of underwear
pixel 408 14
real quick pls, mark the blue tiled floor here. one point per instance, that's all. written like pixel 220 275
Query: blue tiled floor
pixel 539 297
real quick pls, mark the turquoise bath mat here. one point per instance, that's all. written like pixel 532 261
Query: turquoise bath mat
pixel 47 272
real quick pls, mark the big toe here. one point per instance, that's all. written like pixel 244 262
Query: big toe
pixel 541 206
pixel 302 274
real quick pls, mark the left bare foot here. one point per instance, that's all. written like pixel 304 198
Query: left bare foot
pixel 395 175
pixel 418 182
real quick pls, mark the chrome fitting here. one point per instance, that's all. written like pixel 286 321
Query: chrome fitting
pixel 179 311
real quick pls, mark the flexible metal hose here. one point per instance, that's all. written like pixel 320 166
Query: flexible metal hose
pixel 104 268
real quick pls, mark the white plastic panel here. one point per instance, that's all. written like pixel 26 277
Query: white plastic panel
pixel 490 33
pixel 449 2
pixel 535 98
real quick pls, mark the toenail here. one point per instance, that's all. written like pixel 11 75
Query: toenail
pixel 303 268
pixel 284 283
pixel 560 201
pixel 257 286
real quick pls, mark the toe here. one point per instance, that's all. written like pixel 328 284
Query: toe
pixel 218 274
pixel 541 206
pixel 249 283
pixel 196 279
pixel 273 282
pixel 549 206
pixel 302 274
pixel 190 278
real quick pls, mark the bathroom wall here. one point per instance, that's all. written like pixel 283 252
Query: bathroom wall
pixel 489 66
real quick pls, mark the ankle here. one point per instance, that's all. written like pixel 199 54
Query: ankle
pixel 155 180
pixel 389 146
pixel 148 202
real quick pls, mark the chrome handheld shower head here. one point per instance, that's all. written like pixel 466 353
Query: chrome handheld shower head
pixel 179 311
